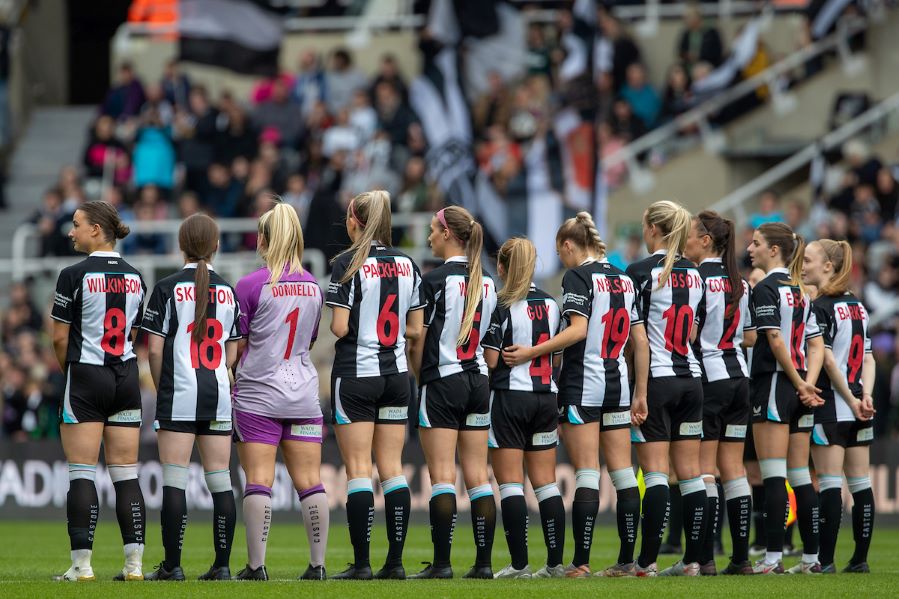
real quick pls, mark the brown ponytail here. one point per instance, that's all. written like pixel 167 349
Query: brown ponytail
pixel 198 238
pixel 792 249
pixel 723 234
pixel 105 216
pixel 469 232
pixel 838 253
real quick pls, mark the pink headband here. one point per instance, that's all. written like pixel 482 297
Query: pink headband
pixel 353 213
pixel 442 218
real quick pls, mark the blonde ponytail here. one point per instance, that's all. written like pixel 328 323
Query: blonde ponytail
pixel 469 232
pixel 280 228
pixel 838 253
pixel 675 222
pixel 582 231
pixel 518 257
pixel 371 211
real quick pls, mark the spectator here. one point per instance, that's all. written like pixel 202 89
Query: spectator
pixel 363 118
pixel 394 117
pixel 281 114
pixel 624 124
pixel 175 85
pixel 198 133
pixel 125 99
pixel 624 51
pixel 768 210
pixel 156 101
pixel 52 222
pixel 105 154
pixel 493 106
pixel 887 194
pixel 862 164
pixel 188 204
pixel 342 137
pixel 144 243
pixel 539 55
pixel 609 143
pixel 865 215
pixel 299 196
pixel 758 64
pixel 223 193
pixel 389 72
pixel 641 96
pixel 239 137
pixel 677 98
pixel 309 86
pixel 154 153
pixel 342 80
pixel 415 195
pixel 698 42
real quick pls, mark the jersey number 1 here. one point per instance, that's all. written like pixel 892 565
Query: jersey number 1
pixel 208 351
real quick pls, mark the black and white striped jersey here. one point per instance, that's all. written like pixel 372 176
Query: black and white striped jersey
pixel 720 336
pixel 776 304
pixel 843 321
pixel 594 371
pixel 668 313
pixel 528 322
pixel 379 296
pixel 443 292
pixel 101 299
pixel 194 383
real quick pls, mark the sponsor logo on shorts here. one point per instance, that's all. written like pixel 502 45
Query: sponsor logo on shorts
pixel 125 416
pixel 866 434
pixel 306 430
pixel 807 420
pixel 737 431
pixel 477 420
pixel 690 428
pixel 616 418
pixel 549 438
pixel 220 425
pixel 392 413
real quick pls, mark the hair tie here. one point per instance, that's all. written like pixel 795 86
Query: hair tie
pixel 442 218
pixel 353 213
pixel 794 236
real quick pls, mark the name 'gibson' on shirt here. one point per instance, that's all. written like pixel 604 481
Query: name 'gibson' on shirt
pixel 681 280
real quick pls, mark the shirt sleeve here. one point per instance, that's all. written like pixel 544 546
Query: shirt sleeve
pixel 812 329
pixel 748 320
pixel 765 307
pixel 235 333
pixel 248 300
pixel 824 324
pixel 318 317
pixel 576 295
pixel 340 294
pixel 416 302
pixel 156 318
pixel 66 293
pixel 139 316
pixel 429 296
pixel 494 337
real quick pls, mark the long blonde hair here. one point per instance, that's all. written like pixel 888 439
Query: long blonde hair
pixel 675 222
pixel 280 228
pixel 838 253
pixel 518 257
pixel 371 211
pixel 469 233
pixel 582 231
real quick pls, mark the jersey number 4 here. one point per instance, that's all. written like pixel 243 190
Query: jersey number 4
pixel 208 351
pixel 541 366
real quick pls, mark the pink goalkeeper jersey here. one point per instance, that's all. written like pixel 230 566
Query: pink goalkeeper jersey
pixel 276 377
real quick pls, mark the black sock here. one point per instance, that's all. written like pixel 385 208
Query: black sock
pixel 776 510
pixel 174 521
pixel 862 524
pixel 788 533
pixel 360 513
pixel 722 514
pixel 831 502
pixel 655 515
pixel 483 524
pixel 130 510
pixel 224 519
pixel 713 523
pixel 552 517
pixel 738 513
pixel 443 522
pixel 628 518
pixel 515 523
pixel 807 513
pixel 695 506
pixel 397 505
pixel 675 516
pixel 583 518
pixel 758 515
pixel 82 511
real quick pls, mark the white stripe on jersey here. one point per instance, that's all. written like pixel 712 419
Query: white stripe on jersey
pixel 663 313
pixel 523 333
pixel 844 312
pixel 714 365
pixel 452 324
pixel 809 324
pixel 93 313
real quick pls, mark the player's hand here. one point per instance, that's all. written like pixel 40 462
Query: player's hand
pixel 639 410
pixel 867 407
pixel 808 395
pixel 516 354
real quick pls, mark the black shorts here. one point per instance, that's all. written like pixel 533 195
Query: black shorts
pixel 853 433
pixel 725 410
pixel 459 401
pixel 523 420
pixel 774 399
pixel 675 410
pixel 749 453
pixel 609 418
pixel 108 394
pixel 212 428
pixel 378 399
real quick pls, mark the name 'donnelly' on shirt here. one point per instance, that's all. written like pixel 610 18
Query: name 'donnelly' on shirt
pixel 295 290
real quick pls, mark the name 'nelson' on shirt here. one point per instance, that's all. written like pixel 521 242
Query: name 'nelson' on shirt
pixel 690 280
pixel 386 270
pixel 614 285
pixel 219 295
pixel 295 290
pixel 114 285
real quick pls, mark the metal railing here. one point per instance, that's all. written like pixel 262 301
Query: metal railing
pixel 734 202
pixel 700 116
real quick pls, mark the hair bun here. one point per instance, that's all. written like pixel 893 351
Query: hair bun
pixel 122 231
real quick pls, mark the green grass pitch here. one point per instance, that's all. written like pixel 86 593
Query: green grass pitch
pixel 32 552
